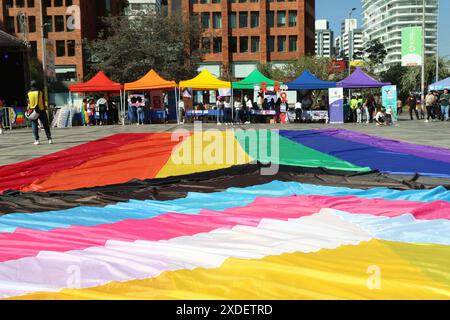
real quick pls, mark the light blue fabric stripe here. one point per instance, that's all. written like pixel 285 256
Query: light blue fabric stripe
pixel 194 202
pixel 404 228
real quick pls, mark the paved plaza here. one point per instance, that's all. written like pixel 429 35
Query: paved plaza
pixel 17 145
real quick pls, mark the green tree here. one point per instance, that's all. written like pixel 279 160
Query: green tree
pixel 128 48
pixel 411 78
pixel 374 53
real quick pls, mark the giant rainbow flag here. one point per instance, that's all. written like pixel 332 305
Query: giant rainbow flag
pixel 307 232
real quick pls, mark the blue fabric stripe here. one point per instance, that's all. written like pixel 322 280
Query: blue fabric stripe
pixel 369 156
pixel 194 202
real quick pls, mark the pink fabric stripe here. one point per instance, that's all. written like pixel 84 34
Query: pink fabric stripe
pixel 26 243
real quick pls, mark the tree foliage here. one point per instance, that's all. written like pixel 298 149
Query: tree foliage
pixel 129 47
pixel 319 66
pixel 374 52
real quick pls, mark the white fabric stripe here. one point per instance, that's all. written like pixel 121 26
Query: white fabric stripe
pixel 122 261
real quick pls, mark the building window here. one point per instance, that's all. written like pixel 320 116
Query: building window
pixel 217 45
pixel 292 18
pixel 9 4
pixel 255 44
pixel 205 20
pixel 10 25
pixel 69 3
pixel 30 3
pixel 48 24
pixel 243 19
pixel 206 45
pixel 48 3
pixel 217 20
pixel 31 24
pixel 233 44
pixel 71 48
pixel 33 49
pixel 216 1
pixel 281 44
pixel 20 4
pixel 58 3
pixel 59 23
pixel 232 20
pixel 271 44
pixel 243 44
pixel 271 19
pixel 292 43
pixel 60 48
pixel 254 19
pixel 281 18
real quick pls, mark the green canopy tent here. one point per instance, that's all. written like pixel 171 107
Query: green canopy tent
pixel 253 79
pixel 256 78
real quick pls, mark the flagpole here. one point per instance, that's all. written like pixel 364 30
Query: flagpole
pixel 423 57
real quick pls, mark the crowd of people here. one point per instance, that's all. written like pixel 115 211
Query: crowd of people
pixel 245 110
pixel 99 112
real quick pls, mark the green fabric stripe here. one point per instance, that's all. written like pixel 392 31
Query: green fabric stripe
pixel 290 152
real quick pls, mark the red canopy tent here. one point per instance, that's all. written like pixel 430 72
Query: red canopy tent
pixel 100 83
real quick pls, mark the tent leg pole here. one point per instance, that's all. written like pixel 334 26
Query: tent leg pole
pixel 232 106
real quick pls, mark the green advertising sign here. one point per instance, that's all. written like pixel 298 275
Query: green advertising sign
pixel 412 46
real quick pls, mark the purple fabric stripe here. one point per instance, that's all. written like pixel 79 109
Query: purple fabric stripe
pixel 428 152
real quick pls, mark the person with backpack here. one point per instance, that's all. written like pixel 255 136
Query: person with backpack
pixel 2 105
pixel 102 105
pixel 37 110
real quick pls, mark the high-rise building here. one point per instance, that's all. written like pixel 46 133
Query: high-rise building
pixel 240 33
pixel 350 43
pixel 324 39
pixel 143 6
pixel 384 20
pixel 66 23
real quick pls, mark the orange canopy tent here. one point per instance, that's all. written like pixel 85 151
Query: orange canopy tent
pixel 152 81
pixel 99 83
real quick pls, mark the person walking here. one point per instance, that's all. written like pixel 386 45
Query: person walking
pixel 430 100
pixel 354 109
pixel 36 104
pixel 444 101
pixel 227 112
pixel 412 103
pixel 2 106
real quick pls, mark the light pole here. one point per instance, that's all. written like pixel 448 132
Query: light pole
pixel 44 51
pixel 350 40
pixel 437 42
pixel 423 57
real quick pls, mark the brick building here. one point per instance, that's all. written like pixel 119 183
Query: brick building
pixel 67 23
pixel 240 33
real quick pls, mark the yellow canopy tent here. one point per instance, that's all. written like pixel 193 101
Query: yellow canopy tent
pixel 153 81
pixel 205 81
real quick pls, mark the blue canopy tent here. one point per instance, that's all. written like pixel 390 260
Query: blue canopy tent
pixel 440 85
pixel 308 81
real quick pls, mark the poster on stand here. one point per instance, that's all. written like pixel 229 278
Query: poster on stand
pixel 336 108
pixel 389 100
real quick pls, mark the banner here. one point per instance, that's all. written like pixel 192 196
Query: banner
pixel 336 105
pixel 389 100
pixel 412 46
pixel 50 55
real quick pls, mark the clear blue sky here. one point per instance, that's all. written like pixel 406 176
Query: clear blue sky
pixel 336 11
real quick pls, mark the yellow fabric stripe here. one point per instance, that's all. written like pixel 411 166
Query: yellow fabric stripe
pixel 205 151
pixel 348 272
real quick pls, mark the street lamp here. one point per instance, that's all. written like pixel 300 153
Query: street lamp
pixel 350 40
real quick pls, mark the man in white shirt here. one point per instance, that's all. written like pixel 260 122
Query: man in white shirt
pixel 298 111
pixel 249 105
pixel 181 110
